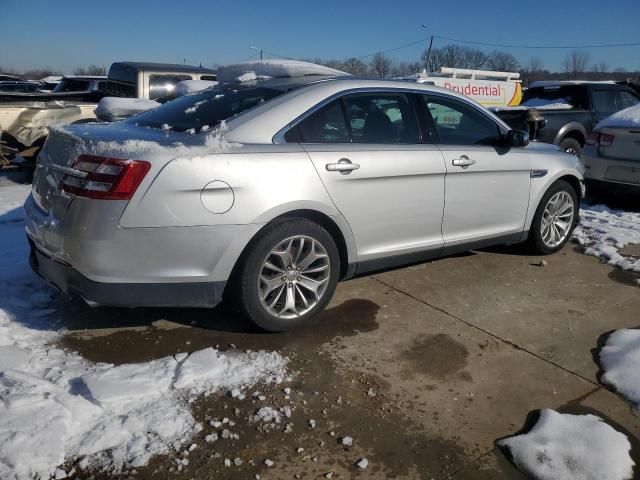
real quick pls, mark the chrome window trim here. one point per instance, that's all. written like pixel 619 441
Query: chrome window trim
pixel 279 139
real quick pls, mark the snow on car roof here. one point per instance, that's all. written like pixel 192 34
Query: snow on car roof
pixel 627 118
pixel 553 83
pixel 86 77
pixel 274 69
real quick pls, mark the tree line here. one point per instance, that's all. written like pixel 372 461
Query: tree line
pixel 576 64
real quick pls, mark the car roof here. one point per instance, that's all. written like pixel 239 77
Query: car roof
pixel 368 82
pixel 559 83
pixel 160 67
pixel 85 77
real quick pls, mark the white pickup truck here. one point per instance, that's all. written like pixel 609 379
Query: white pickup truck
pixel 24 120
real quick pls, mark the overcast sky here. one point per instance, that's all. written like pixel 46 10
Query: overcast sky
pixel 64 34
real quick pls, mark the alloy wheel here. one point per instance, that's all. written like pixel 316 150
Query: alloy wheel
pixel 293 277
pixel 557 219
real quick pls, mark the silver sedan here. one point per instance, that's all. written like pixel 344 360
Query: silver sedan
pixel 269 193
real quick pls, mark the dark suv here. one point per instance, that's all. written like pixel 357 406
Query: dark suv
pixel 590 102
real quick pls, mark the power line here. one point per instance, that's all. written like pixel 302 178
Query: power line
pixel 566 47
pixel 422 40
pixel 485 44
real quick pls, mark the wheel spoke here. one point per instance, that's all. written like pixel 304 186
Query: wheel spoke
pixel 290 302
pixel 277 297
pixel 271 284
pixel 271 266
pixel 302 296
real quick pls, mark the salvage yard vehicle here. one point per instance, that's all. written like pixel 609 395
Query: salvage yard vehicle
pixel 572 108
pixel 612 154
pixel 81 83
pixel 271 192
pixel 25 118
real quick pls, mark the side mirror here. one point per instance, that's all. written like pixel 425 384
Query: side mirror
pixel 517 138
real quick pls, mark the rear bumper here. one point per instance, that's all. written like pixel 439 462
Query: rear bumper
pixel 69 280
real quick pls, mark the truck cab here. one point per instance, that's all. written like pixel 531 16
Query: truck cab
pixel 151 81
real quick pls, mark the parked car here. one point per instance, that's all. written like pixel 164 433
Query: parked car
pixel 271 192
pixel 20 86
pixel 25 118
pixel 81 83
pixel 572 108
pixel 612 154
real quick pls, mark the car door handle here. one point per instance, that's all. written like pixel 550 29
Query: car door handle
pixel 344 166
pixel 463 161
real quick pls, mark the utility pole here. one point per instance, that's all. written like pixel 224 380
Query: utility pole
pixel 426 63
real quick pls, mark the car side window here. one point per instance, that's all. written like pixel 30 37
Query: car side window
pixel 327 125
pixel 459 124
pixel 381 118
pixel 163 85
pixel 627 100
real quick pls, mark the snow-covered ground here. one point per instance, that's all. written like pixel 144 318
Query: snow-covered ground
pixel 603 232
pixel 58 407
pixel 620 361
pixel 568 447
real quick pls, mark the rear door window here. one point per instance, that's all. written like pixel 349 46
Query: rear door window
pixel 327 125
pixel 381 118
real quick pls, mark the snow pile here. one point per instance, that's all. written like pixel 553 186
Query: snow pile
pixel 186 87
pixel 547 104
pixel 274 68
pixel 566 447
pixel 250 77
pixel 57 407
pixel 620 361
pixel 112 109
pixel 627 118
pixel 603 232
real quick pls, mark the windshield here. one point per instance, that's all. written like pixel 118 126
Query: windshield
pixel 201 111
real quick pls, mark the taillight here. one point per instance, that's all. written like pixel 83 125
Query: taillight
pixel 606 140
pixel 601 139
pixel 593 138
pixel 104 178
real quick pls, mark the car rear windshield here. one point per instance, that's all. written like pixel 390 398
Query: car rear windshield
pixel 576 96
pixel 206 109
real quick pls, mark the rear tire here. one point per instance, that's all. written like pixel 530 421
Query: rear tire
pixel 571 146
pixel 288 275
pixel 555 219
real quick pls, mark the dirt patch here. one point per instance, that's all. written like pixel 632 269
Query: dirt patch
pixel 438 356
pixel 133 344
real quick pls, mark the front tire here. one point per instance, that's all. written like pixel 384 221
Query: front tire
pixel 555 219
pixel 288 275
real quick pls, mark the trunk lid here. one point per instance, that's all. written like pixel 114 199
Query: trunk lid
pixel 626 145
pixel 118 140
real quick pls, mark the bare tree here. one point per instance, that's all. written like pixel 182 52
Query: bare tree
pixel 90 70
pixel 502 62
pixel 576 63
pixel 474 59
pixel 354 66
pixel 533 71
pixel 380 65
pixel 404 69
pixel 601 67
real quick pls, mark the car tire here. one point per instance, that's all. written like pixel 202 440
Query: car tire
pixel 277 298
pixel 572 146
pixel 546 236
